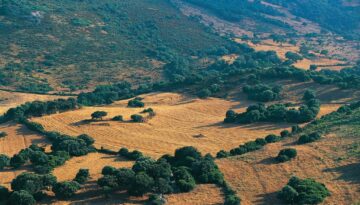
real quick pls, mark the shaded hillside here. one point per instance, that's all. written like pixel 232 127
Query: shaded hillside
pixel 56 41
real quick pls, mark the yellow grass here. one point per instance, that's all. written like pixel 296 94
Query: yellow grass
pixel 325 63
pixel 13 99
pixel 256 176
pixel 178 122
pixel 93 161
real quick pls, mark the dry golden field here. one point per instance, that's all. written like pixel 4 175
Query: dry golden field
pixel 179 121
pixel 257 177
pixel 13 99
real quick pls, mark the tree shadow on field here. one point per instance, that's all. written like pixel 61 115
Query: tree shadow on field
pixel 252 126
pixel 82 122
pixel 268 198
pixel 268 161
pixel 349 172
pixel 24 131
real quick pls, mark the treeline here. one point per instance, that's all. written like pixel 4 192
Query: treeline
pixel 276 112
pixel 168 174
pixel 39 108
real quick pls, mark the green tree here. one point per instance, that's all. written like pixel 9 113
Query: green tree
pixel 65 190
pixel 82 176
pixel 98 115
pixel 21 197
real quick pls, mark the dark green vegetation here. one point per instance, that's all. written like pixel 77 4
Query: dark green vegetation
pixel 3 134
pixel 168 174
pixel 136 102
pixel 276 113
pixel 303 139
pixel 71 41
pixel 98 115
pixel 303 191
pixel 286 155
pixel 263 93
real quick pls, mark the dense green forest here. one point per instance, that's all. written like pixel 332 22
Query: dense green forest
pixel 57 40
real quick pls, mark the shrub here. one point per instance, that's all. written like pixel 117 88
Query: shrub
pixel 286 155
pixel 285 133
pixel 18 160
pixel 21 197
pixel 82 176
pixel 137 118
pixel 222 154
pixel 108 170
pixel 4 161
pixel 118 118
pixel 272 138
pixel 98 115
pixel 204 93
pixel 303 139
pixel 303 191
pixel 3 134
pixel 65 190
pixel 136 103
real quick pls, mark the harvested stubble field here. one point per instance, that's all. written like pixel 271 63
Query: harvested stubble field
pixel 179 122
pixel 257 177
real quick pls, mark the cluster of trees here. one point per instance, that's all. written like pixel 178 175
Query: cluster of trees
pixel 29 188
pixel 286 154
pixel 168 174
pixel 263 93
pixel 134 155
pixel 136 102
pixel 307 138
pixel 38 109
pixel 41 162
pixel 303 191
pixel 277 112
pixel 74 146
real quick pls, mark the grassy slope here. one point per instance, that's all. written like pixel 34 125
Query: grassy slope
pixel 82 37
pixel 333 160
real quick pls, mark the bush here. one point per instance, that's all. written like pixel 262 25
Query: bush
pixel 303 191
pixel 65 190
pixel 118 118
pixel 98 115
pixel 3 134
pixel 136 103
pixel 303 139
pixel 272 138
pixel 286 155
pixel 82 176
pixel 285 133
pixel 204 93
pixel 137 118
pixel 4 161
pixel 155 199
pixel 222 154
pixel 21 197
